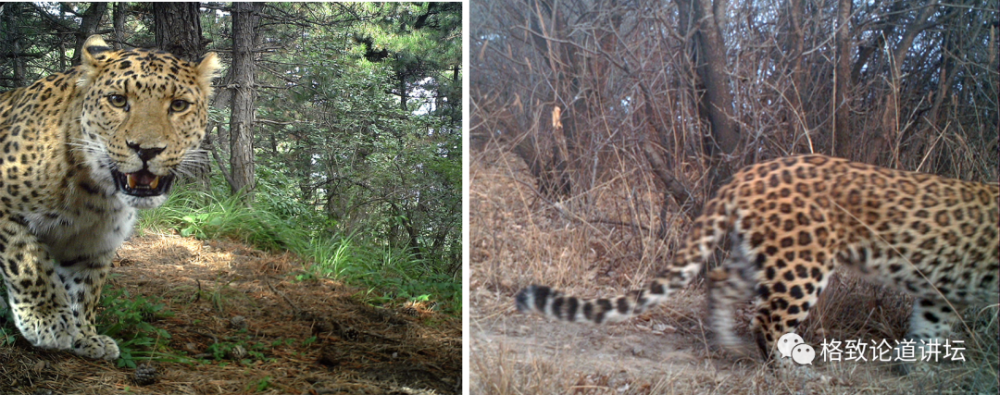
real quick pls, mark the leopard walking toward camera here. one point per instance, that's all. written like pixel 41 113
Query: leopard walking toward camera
pixel 81 151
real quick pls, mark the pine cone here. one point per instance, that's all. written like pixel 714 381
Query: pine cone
pixel 145 374
pixel 350 334
pixel 410 311
pixel 237 353
pixel 238 322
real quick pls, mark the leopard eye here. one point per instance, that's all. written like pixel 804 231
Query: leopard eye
pixel 179 105
pixel 118 101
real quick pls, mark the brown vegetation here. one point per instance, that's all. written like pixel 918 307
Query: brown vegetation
pixel 606 245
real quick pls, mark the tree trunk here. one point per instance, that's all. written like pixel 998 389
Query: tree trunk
pixel 62 53
pixel 11 15
pixel 712 70
pixel 841 133
pixel 796 120
pixel 118 20
pixel 401 78
pixel 178 29
pixel 246 16
pixel 554 175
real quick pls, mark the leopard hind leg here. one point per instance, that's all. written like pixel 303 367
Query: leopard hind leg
pixel 730 286
pixel 930 324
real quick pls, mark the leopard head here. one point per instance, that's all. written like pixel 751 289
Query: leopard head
pixel 144 114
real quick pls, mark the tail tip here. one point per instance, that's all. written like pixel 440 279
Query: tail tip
pixel 524 299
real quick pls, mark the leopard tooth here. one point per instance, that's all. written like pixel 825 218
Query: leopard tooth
pixel 154 183
pixel 131 181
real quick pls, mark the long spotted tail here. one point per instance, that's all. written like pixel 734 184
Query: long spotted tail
pixel 552 303
pixel 686 265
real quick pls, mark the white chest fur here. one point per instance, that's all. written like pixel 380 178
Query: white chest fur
pixel 93 225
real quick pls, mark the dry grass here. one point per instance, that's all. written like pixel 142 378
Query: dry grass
pixel 591 245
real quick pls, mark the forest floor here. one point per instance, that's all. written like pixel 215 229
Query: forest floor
pixel 315 336
pixel 602 242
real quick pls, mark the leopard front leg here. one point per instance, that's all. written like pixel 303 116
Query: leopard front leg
pixel 53 304
pixel 35 296
pixel 83 278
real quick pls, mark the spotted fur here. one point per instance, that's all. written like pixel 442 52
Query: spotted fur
pixel 788 222
pixel 80 151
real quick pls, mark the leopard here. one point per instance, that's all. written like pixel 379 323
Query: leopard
pixel 788 223
pixel 82 151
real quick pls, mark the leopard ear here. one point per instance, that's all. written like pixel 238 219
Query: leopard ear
pixel 93 49
pixel 207 70
pixel 92 55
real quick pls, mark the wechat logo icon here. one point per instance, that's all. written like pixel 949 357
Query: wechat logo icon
pixel 791 345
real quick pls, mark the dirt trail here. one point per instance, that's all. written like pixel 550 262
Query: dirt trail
pixel 308 337
pixel 662 352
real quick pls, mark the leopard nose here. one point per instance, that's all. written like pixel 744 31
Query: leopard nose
pixel 145 154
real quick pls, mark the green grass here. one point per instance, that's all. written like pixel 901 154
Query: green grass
pixel 206 216
pixel 127 318
pixel 391 275
pixel 260 385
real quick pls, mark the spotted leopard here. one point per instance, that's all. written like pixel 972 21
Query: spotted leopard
pixel 81 151
pixel 787 224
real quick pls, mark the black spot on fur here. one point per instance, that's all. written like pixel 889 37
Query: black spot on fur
pixel 796 292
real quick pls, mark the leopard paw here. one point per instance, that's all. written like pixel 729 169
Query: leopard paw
pixel 96 347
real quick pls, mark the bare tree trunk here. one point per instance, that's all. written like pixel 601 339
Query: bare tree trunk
pixel 841 134
pixel 795 45
pixel 553 175
pixel 246 16
pixel 712 70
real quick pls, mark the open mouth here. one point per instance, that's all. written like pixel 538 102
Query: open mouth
pixel 142 183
